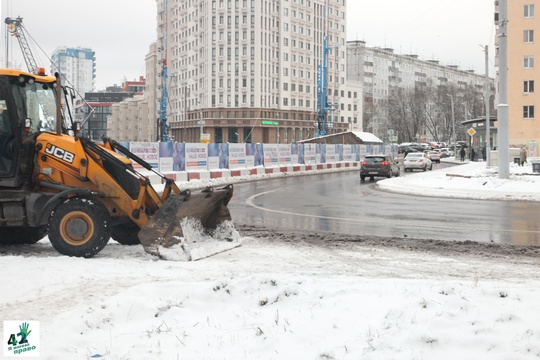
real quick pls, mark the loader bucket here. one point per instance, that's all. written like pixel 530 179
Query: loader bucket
pixel 191 226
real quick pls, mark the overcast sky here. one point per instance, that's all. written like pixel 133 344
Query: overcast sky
pixel 121 31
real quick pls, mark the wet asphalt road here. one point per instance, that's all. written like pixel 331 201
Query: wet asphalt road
pixel 341 203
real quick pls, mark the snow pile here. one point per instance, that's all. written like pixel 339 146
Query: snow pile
pixel 198 244
pixel 471 181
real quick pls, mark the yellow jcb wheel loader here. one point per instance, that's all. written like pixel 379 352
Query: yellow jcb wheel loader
pixel 78 192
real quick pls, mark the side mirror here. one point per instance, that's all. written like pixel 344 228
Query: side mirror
pixel 27 125
pixel 77 128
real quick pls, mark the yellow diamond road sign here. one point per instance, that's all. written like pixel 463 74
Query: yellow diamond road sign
pixel 471 131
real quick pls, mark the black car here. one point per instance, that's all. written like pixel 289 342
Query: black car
pixel 380 166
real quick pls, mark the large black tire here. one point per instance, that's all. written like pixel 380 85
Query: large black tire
pixel 126 234
pixel 80 227
pixel 21 235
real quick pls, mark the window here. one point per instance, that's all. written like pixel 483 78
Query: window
pixel 219 135
pixel 528 10
pixel 528 112
pixel 528 86
pixel 247 135
pixel 528 36
pixel 528 61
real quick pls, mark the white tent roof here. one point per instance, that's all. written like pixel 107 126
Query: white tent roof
pixel 360 136
pixel 367 137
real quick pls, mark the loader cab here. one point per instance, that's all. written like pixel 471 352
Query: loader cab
pixel 27 108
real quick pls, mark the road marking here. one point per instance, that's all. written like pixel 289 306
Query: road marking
pixel 402 223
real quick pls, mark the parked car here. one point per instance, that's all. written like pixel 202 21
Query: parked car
pixel 404 146
pixel 417 160
pixel 434 156
pixel 447 152
pixel 380 166
pixel 413 148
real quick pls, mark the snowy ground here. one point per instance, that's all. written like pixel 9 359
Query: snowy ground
pixel 284 296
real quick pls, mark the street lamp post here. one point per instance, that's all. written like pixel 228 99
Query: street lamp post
pixel 453 120
pixel 487 143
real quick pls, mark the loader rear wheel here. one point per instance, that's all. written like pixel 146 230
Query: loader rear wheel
pixel 126 234
pixel 79 227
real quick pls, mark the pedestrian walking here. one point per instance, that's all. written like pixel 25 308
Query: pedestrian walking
pixel 462 154
pixel 473 154
pixel 522 156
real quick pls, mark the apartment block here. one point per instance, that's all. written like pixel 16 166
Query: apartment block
pixel 384 72
pixel 77 67
pixel 523 33
pixel 246 70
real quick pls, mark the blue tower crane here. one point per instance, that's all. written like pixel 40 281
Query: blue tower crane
pixel 164 127
pixel 322 81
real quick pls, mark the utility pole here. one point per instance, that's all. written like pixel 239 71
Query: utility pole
pixel 503 111
pixel 453 121
pixel 487 142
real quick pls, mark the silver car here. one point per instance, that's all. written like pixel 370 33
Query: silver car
pixel 417 160
pixel 434 156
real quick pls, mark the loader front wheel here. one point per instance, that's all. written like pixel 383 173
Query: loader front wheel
pixel 79 227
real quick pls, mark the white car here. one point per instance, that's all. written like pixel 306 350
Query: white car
pixel 417 160
pixel 448 152
pixel 434 155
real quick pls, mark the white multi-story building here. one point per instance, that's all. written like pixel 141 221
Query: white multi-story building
pixel 77 67
pixel 382 72
pixel 246 70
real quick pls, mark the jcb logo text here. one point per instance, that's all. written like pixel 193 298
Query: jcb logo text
pixel 59 153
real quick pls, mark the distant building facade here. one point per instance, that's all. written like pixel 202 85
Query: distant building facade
pixel 95 123
pixel 382 72
pixel 136 118
pixel 135 87
pixel 77 67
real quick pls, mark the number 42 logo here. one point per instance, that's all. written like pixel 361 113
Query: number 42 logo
pixel 18 342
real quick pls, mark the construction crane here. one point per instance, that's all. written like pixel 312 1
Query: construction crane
pixel 164 127
pixel 323 107
pixel 15 28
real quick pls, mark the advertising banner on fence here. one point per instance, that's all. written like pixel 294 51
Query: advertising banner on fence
pixel 218 156
pixel 331 155
pixel 270 152
pixel 166 156
pixel 348 153
pixel 179 156
pixel 320 150
pixel 310 154
pixel 284 154
pixel 148 151
pixel 196 156
pixel 258 155
pixel 237 156
pixel 294 153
